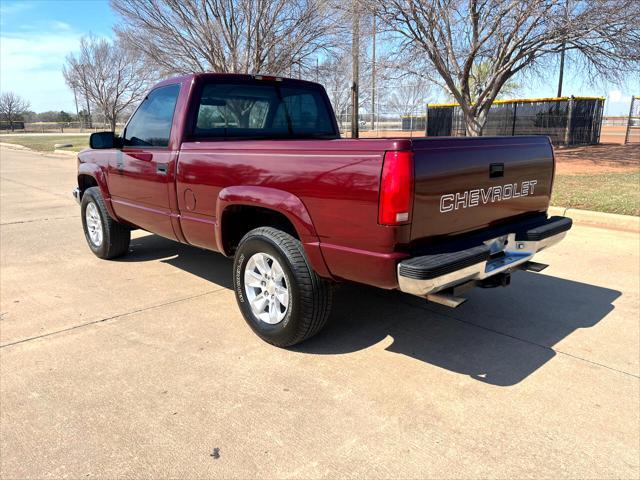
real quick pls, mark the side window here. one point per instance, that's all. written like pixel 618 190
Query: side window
pixel 150 126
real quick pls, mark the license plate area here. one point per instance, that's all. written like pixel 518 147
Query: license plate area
pixel 503 262
pixel 503 257
pixel 497 245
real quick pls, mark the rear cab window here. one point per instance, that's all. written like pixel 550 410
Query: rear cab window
pixel 150 125
pixel 238 109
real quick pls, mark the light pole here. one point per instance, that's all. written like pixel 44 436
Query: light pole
pixel 373 76
pixel 355 60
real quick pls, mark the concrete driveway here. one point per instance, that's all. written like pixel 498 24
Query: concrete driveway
pixel 144 367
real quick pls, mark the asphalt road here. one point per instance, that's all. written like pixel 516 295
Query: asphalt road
pixel 145 368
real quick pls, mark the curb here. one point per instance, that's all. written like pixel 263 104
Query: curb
pixel 66 152
pixel 628 223
pixel 15 146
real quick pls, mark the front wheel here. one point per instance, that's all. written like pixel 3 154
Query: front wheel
pixel 106 237
pixel 280 296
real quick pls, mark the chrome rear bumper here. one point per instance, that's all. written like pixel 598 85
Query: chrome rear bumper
pixel 77 195
pixel 429 274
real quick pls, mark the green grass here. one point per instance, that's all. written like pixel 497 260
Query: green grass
pixel 45 143
pixel 605 192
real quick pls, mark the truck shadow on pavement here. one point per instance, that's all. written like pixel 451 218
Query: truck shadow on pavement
pixel 500 336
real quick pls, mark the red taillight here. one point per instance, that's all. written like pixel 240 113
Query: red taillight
pixel 396 189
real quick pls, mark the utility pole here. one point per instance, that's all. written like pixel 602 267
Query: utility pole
pixel 564 47
pixel 355 61
pixel 561 71
pixel 373 75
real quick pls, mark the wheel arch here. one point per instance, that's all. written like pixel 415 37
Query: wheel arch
pixel 91 175
pixel 277 208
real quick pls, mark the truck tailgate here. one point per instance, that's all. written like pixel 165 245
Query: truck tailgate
pixel 465 184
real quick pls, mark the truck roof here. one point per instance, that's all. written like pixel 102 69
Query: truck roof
pixel 232 76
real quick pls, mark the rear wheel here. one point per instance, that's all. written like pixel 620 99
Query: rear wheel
pixel 106 237
pixel 280 296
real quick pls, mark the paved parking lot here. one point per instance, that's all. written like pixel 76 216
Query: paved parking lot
pixel 144 367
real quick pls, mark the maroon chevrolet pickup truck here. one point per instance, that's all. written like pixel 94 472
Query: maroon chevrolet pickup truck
pixel 254 167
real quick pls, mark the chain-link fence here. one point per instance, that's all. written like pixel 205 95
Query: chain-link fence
pixel 633 123
pixel 384 112
pixel 403 111
pixel 566 120
pixel 11 126
pixel 618 121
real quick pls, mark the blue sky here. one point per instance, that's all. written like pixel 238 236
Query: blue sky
pixel 36 36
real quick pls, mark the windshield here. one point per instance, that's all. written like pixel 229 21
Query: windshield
pixel 263 110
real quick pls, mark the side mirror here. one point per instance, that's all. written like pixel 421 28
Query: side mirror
pixel 102 140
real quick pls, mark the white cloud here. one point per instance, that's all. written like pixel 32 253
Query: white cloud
pixel 56 24
pixel 31 65
pixel 12 8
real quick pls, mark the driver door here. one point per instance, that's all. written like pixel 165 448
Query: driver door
pixel 142 174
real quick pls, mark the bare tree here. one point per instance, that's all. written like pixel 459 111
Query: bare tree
pixel 335 75
pixel 410 97
pixel 279 37
pixel 111 77
pixel 450 37
pixel 12 107
pixel 77 80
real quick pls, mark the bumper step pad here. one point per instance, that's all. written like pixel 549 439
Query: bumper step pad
pixel 432 266
pixel 553 226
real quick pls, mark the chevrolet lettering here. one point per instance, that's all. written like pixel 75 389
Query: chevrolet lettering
pixel 482 196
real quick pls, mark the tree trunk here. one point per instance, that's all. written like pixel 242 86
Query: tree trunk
pixel 474 124
pixel 112 123
pixel 75 97
pixel 89 123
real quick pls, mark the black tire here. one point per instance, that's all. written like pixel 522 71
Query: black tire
pixel 309 295
pixel 115 236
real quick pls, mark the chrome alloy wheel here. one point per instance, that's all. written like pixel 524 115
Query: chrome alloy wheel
pixel 267 288
pixel 94 224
